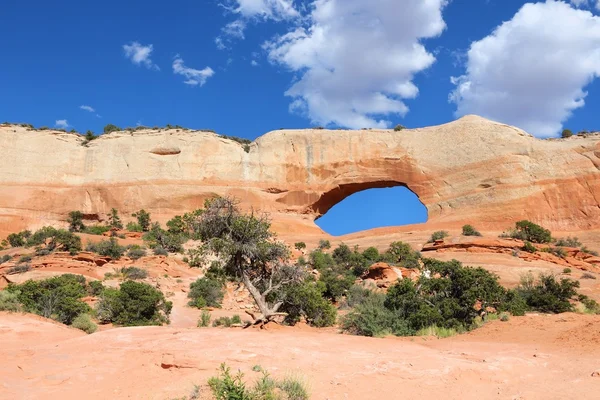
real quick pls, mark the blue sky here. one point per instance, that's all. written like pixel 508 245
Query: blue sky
pixel 245 67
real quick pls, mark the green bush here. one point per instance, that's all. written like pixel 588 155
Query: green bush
pixel 300 246
pixel 568 242
pixel 133 304
pixel 95 288
pixel 85 323
pixel 5 258
pixel 204 320
pixel 587 275
pixel 9 301
pixel 136 252
pixel 227 322
pixel 306 300
pixel 57 297
pixel 17 239
pixel 399 128
pixel 547 294
pixel 528 247
pixel 324 244
pixel 371 255
pixel 108 248
pixel 228 387
pixel 53 239
pixel 468 230
pixel 134 227
pixel 504 316
pixel 157 236
pixel 400 253
pixel 114 221
pixel 372 318
pixel 567 271
pixel 438 235
pixel 206 292
pixel 25 259
pixel 18 269
pixel 588 251
pixel 160 251
pixel 75 221
pixel 337 281
pixel 566 133
pixel 96 229
pixel 134 273
pixel 143 219
pixel 111 128
pixel 526 230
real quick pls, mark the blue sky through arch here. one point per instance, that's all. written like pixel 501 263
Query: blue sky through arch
pixel 374 208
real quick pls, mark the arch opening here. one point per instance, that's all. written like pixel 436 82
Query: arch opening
pixel 348 211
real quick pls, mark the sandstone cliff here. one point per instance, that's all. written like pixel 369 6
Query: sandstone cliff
pixel 468 170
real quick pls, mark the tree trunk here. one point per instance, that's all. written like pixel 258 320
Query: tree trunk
pixel 266 312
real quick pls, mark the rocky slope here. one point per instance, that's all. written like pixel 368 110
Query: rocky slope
pixel 468 170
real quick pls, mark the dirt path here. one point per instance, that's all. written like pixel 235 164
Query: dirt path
pixel 534 357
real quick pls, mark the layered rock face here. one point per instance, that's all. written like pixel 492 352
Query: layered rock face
pixel 470 170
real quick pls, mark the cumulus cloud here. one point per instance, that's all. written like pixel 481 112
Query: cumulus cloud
pixel 61 123
pixel 532 70
pixel 194 77
pixel 247 10
pixel 357 58
pixel 586 3
pixel 140 54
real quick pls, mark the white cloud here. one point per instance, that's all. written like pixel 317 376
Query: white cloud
pixel 254 63
pixel 357 59
pixel 247 10
pixel 532 70
pixel 140 54
pixel 586 3
pixel 194 77
pixel 87 108
pixel 61 123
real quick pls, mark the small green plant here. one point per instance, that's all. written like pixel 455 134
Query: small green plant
pixel 438 235
pixel 566 133
pixel 437 331
pixel 206 292
pixel 143 219
pixel 588 251
pixel 399 128
pixel 114 220
pixel 75 221
pixel 587 275
pixel 9 301
pixel 204 320
pixel 111 128
pixel 136 252
pixel 134 273
pixel 5 258
pixel 528 247
pixel 468 230
pixel 85 323
pixel 108 248
pixel 300 246
pixel 25 259
pixel 567 271
pixel 228 387
pixel 160 251
pixel 568 242
pixel 324 244
pixel 527 230
pixel 18 269
pixel 227 322
pixel 504 316
pixel 96 229
pixel 257 368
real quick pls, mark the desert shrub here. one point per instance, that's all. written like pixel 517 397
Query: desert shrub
pixel 226 321
pixel 85 323
pixel 566 133
pixel 294 388
pixel 114 221
pixel 305 300
pixel 399 128
pixel 337 281
pixel 18 239
pixel 504 316
pixel 57 297
pixel 133 304
pixel 591 305
pixel 96 229
pixel 568 242
pixel 75 221
pixel 25 259
pixel 588 251
pixel 587 275
pixel 557 251
pixel 400 253
pixel 527 230
pixel 5 258
pixel 204 320
pixel 9 301
pixel 95 288
pixel 143 219
pixel 567 271
pixel 216 272
pixel 134 273
pixel 136 252
pixel 206 292
pixel 468 230
pixel 371 255
pixel 373 318
pixel 324 244
pixel 357 295
pixel 514 303
pixel 228 387
pixel 528 247
pixel 18 269
pixel 358 264
pixel 160 251
pixel 547 294
pixel 438 235
pixel 133 227
pixel 320 260
pixel 108 248
pixel 111 128
pixel 300 246
pixel 196 257
pixel 437 331
pixel 342 254
pixel 157 236
pixel 234 138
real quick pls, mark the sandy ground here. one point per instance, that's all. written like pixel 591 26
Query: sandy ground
pixel 532 357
